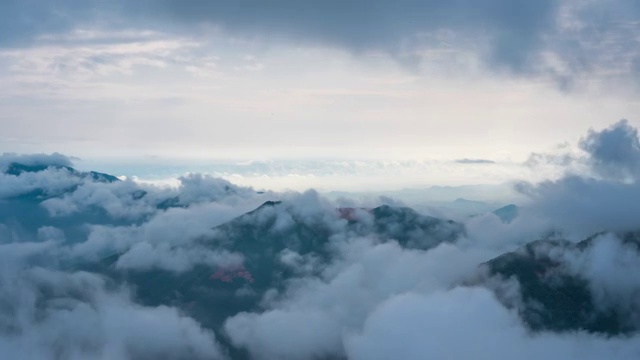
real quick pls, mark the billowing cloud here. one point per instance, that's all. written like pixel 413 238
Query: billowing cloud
pixel 466 323
pixel 49 314
pixel 363 276
pixel 595 198
pixel 615 151
pixel 585 205
pixel 605 264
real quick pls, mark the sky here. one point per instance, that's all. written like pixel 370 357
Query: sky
pixel 210 111
pixel 452 82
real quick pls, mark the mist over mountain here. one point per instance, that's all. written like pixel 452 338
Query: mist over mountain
pixel 99 267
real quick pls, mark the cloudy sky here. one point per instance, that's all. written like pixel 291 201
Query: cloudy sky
pixel 412 80
pixel 526 102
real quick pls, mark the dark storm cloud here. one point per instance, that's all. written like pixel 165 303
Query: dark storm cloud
pixel 514 25
pixel 361 24
pixel 561 39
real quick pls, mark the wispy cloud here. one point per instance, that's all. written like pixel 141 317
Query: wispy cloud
pixel 475 161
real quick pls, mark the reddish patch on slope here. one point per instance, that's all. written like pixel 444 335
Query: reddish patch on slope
pixel 350 213
pixel 230 273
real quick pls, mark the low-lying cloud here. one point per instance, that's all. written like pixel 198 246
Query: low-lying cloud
pixel 95 267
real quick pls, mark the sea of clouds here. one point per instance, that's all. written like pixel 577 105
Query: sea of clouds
pixel 370 299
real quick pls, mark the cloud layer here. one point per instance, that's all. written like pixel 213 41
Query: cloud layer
pixel 519 35
pixel 98 267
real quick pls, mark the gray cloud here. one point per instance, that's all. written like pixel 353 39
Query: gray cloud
pixel 53 314
pixel 169 240
pixel 49 182
pixel 475 161
pixel 564 40
pixel 598 200
pixel 558 159
pixel 198 188
pixel 584 205
pixel 358 24
pixel 54 159
pixel 22 21
pixel 48 314
pixel 515 27
pixel 615 151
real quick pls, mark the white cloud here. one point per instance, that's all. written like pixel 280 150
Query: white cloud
pixel 52 181
pixel 607 264
pixel 362 276
pixel 469 323
pixel 172 240
pixel 82 319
